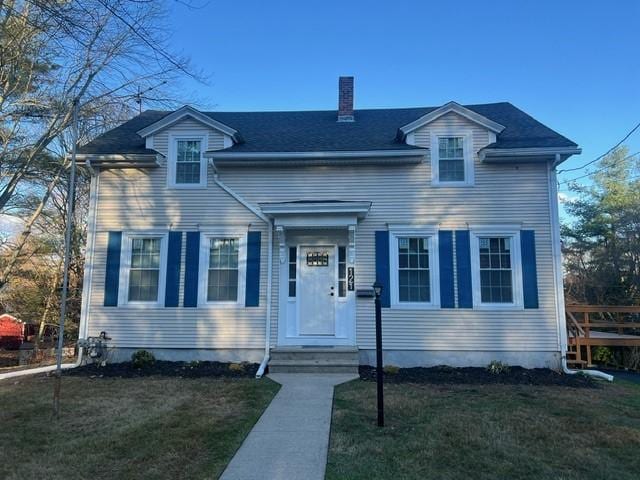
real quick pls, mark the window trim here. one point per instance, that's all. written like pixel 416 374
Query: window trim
pixel 125 267
pixel 516 264
pixel 434 268
pixel 467 140
pixel 173 157
pixel 203 269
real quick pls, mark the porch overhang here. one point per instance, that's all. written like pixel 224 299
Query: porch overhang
pixel 316 214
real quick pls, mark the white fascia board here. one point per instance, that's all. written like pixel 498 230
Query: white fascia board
pixel 455 108
pixel 502 154
pixel 188 111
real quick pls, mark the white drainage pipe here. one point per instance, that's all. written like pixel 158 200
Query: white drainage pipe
pixel 49 368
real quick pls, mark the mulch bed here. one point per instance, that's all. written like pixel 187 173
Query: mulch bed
pixel 167 369
pixel 475 376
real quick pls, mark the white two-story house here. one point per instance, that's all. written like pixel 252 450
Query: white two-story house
pixel 237 235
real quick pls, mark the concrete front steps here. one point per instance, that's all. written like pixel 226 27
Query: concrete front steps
pixel 314 360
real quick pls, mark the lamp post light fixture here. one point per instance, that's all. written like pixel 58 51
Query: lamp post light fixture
pixel 377 289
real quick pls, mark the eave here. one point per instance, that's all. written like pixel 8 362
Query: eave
pixel 105 161
pixel 361 157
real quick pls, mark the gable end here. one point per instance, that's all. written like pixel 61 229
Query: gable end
pixel 187 111
pixel 447 108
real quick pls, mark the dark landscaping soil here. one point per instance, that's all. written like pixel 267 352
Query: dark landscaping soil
pixel 167 369
pixel 474 375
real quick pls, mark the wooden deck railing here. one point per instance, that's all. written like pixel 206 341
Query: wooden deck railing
pixel 602 325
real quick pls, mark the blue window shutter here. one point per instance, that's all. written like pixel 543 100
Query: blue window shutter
pixel 529 271
pixel 112 273
pixel 463 262
pixel 174 252
pixel 445 252
pixel 252 285
pixel 191 266
pixel 382 266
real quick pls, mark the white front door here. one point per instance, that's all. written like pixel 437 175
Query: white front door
pixel 317 290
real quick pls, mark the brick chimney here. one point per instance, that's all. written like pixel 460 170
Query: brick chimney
pixel 345 99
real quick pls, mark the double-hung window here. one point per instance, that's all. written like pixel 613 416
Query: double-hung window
pixel 414 266
pixel 452 161
pixel 144 269
pixel 187 166
pixel 222 262
pixel 496 269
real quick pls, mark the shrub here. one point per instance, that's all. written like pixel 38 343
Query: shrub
pixel 391 369
pixel 603 355
pixel 496 367
pixel 143 359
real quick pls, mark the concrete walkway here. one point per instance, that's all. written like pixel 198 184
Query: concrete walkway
pixel 291 439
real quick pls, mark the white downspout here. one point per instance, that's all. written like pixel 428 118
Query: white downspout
pixel 557 275
pixel 264 218
pixel 86 286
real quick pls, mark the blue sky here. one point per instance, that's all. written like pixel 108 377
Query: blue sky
pixel 571 64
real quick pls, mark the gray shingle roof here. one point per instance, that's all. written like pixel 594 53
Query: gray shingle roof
pixel 307 131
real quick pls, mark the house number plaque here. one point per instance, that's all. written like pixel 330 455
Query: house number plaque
pixel 350 279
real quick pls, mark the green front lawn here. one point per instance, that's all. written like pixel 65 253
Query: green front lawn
pixel 113 428
pixel 486 432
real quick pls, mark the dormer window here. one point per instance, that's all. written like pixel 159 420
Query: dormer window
pixel 452 159
pixel 187 168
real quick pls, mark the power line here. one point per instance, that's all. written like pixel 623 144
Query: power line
pixel 597 170
pixel 628 180
pixel 604 154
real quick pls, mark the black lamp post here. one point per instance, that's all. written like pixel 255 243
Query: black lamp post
pixel 377 289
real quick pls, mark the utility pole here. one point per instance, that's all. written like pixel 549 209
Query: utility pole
pixel 67 258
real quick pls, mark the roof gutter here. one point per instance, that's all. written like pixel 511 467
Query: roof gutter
pixel 324 157
pixel 144 160
pixel 559 154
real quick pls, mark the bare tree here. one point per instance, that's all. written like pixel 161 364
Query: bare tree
pixel 53 53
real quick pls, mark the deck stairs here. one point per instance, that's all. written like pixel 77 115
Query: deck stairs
pixel 572 358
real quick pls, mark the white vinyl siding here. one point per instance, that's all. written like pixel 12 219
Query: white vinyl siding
pixel 400 194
